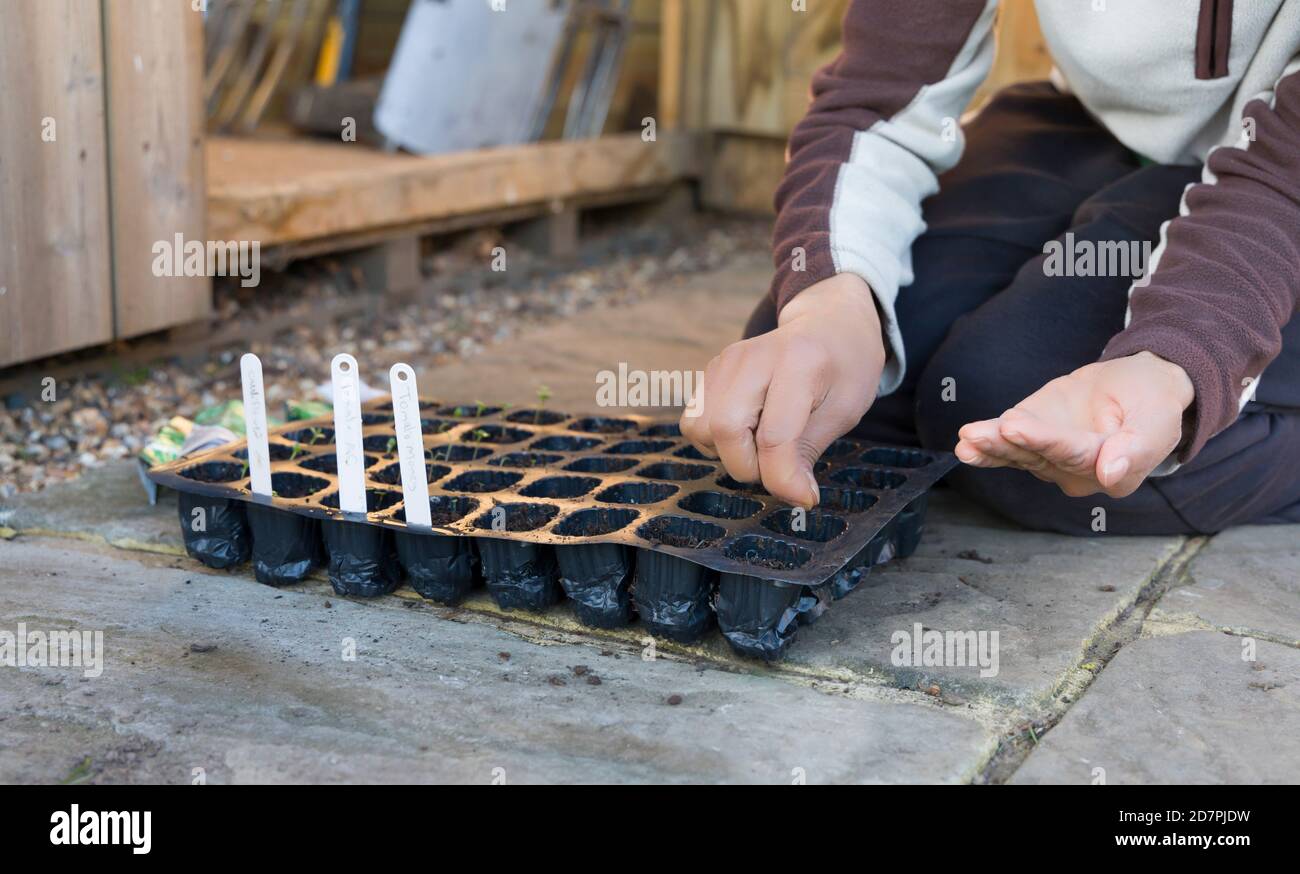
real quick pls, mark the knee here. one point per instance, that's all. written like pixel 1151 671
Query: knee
pixel 969 378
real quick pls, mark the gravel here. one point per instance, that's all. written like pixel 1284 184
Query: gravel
pixel 111 411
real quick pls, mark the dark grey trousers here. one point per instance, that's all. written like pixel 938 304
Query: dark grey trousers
pixel 983 312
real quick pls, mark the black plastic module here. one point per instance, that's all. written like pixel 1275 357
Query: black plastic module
pixel 621 515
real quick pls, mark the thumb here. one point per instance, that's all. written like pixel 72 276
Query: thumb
pixel 1142 443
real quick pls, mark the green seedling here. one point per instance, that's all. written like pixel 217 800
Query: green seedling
pixel 543 395
pixel 296 451
pixel 136 376
pixel 79 774
pixel 317 435
pixel 391 445
pixel 478 435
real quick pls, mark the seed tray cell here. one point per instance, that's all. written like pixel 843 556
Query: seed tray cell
pixel 621 514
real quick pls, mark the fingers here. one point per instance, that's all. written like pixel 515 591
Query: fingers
pixel 981 444
pixel 795 428
pixel 1071 449
pixel 696 420
pixel 732 422
pixel 694 425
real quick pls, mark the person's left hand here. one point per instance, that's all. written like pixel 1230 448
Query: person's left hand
pixel 1103 428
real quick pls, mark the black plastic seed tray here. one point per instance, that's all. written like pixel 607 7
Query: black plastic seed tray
pixel 542 505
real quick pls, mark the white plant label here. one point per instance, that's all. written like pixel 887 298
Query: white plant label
pixel 259 455
pixel 347 434
pixel 410 445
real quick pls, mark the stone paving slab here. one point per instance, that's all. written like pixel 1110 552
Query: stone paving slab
pixel 246 682
pixel 274 702
pixel 1046 595
pixel 682 327
pixel 107 503
pixel 1246 580
pixel 1182 708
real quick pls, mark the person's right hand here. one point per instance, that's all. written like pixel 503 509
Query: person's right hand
pixel 772 404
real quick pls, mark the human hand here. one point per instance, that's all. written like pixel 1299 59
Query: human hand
pixel 775 402
pixel 1103 428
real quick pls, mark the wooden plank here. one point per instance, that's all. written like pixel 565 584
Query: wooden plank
pixel 762 57
pixel 672 63
pixel 54 244
pixel 751 122
pixel 279 192
pixel 744 172
pixel 154 64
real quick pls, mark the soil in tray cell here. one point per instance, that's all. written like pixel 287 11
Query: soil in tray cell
pixel 767 552
pixel 640 447
pixel 329 463
pixel 869 478
pixel 314 436
pixel 888 456
pixel 391 475
pixel 602 425
pixel 468 411
pixel 526 460
pixel 720 505
pixel 637 493
pixel 482 481
pixel 537 417
pixel 457 452
pixel 560 487
pixel 813 525
pixel 842 499
pixel 276 451
pixel 727 481
pixel 676 471
pixel 564 443
pixel 602 464
pixel 216 472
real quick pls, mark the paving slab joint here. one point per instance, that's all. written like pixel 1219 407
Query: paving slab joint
pixel 1016 744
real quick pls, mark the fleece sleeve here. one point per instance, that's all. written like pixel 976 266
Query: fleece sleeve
pixel 1225 277
pixel 881 127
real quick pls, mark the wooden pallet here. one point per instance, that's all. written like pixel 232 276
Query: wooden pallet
pixel 305 197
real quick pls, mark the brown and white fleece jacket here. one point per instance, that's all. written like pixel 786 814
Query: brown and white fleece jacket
pixel 1177 81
